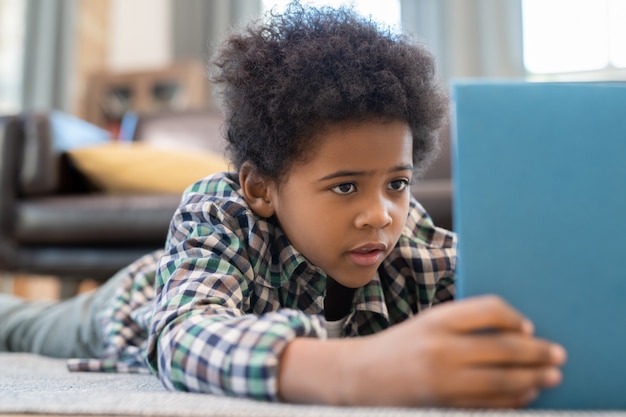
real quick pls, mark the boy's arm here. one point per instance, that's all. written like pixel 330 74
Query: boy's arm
pixel 202 340
pixel 439 358
pixel 208 331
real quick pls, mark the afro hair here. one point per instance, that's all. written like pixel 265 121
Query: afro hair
pixel 285 79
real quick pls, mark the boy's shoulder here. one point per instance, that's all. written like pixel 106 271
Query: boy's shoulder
pixel 216 198
pixel 221 189
pixel 216 203
pixel 213 212
pixel 220 185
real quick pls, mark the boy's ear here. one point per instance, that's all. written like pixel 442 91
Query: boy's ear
pixel 256 190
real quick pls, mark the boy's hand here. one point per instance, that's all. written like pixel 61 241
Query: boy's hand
pixel 478 352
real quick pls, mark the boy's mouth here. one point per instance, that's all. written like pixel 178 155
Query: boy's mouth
pixel 368 255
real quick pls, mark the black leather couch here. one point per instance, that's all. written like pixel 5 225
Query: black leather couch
pixel 52 222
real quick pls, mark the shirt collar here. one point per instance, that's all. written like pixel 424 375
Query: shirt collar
pixel 288 264
pixel 371 298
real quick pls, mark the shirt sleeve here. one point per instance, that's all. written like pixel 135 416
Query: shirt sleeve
pixel 206 334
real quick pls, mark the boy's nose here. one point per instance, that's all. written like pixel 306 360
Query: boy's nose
pixel 374 213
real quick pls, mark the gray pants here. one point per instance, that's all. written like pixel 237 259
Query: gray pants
pixel 67 329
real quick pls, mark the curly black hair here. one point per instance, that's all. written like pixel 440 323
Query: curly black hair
pixel 284 80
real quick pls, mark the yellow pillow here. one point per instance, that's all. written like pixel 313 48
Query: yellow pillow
pixel 135 167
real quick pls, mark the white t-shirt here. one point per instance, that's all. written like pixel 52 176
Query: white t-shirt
pixel 333 328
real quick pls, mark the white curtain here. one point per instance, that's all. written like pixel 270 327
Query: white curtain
pixel 199 25
pixel 48 54
pixel 470 38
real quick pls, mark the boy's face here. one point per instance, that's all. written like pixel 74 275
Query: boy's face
pixel 345 208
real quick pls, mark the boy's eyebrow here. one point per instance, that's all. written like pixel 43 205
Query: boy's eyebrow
pixel 346 173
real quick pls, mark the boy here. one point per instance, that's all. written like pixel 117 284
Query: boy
pixel 315 238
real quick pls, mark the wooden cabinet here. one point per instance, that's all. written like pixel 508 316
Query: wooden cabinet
pixel 178 87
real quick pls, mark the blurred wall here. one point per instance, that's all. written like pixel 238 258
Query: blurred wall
pixel 140 34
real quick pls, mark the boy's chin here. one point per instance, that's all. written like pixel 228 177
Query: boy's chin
pixel 355 282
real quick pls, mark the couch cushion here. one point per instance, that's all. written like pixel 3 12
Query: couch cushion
pixel 95 219
pixel 142 168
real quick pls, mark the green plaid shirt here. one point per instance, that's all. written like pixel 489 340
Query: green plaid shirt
pixel 214 311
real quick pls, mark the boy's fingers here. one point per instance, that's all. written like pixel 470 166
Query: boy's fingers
pixel 484 313
pixel 490 385
pixel 517 400
pixel 508 348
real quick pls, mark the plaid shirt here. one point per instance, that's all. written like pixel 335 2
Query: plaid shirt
pixel 214 311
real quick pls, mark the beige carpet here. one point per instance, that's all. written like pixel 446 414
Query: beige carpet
pixel 31 384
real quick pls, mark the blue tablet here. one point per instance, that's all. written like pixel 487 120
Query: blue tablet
pixel 539 175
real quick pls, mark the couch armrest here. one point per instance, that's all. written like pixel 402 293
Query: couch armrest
pixel 10 138
pixel 39 172
pixel 45 169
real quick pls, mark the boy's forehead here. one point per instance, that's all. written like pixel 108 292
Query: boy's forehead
pixel 363 133
pixel 361 144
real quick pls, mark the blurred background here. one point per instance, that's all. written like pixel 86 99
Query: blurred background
pixel 97 59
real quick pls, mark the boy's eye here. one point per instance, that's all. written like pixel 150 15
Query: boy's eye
pixel 345 188
pixel 398 185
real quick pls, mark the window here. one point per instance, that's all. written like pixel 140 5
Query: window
pixel 575 36
pixel 12 20
pixel 386 12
